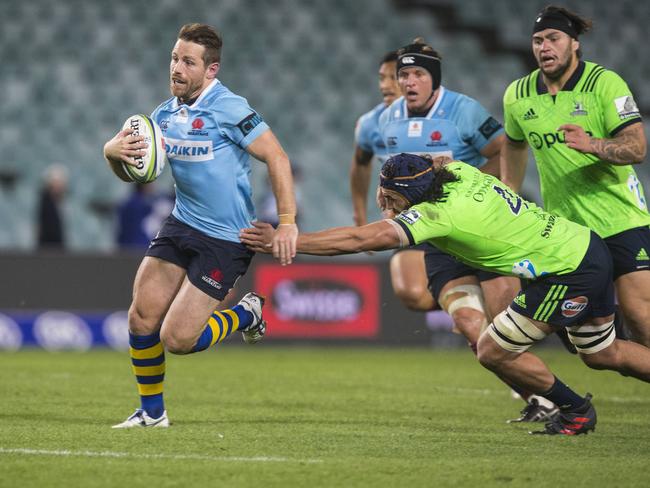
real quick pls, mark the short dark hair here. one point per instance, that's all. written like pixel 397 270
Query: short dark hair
pixel 206 36
pixel 389 57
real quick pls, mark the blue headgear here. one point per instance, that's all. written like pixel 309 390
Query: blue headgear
pixel 409 175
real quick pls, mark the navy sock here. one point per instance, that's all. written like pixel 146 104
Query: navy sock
pixel 563 396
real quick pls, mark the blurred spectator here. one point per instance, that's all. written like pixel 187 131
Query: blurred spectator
pixel 140 215
pixel 51 233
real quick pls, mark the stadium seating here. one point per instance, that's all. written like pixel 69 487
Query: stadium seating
pixel 74 70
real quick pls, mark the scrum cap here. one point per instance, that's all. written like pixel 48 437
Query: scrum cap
pixel 409 175
pixel 416 55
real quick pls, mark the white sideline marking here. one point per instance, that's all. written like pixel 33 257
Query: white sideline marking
pixel 114 454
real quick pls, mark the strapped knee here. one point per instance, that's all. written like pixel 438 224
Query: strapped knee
pixel 590 339
pixel 514 332
pixel 473 299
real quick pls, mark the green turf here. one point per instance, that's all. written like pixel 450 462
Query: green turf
pixel 313 416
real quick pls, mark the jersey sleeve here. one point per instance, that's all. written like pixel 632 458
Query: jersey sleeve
pixel 423 222
pixel 512 128
pixel 617 103
pixel 238 121
pixel 477 126
pixel 363 133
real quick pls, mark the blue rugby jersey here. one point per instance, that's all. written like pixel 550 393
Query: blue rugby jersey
pixel 206 145
pixel 366 133
pixel 456 126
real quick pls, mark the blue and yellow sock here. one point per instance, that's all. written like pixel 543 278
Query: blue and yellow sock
pixel 148 362
pixel 221 324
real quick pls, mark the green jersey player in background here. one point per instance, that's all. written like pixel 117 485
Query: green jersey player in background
pixel 476 218
pixel 585 132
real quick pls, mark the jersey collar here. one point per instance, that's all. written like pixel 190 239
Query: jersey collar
pixel 570 83
pixel 434 107
pixel 203 94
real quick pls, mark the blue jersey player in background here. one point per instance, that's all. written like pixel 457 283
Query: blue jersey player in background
pixel 430 119
pixel 368 142
pixel 196 258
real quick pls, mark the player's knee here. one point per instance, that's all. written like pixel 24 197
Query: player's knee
pixel 486 354
pixel 140 323
pixel 469 322
pixel 415 296
pixel 175 343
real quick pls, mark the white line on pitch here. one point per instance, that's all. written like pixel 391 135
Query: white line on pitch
pixel 114 454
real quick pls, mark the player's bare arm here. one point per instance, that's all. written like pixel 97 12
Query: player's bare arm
pixel 123 148
pixel 513 160
pixel 360 176
pixel 377 236
pixel 266 148
pixel 492 151
pixel 629 146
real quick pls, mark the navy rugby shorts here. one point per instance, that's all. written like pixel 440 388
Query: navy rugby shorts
pixel 630 250
pixel 442 268
pixel 572 298
pixel 212 265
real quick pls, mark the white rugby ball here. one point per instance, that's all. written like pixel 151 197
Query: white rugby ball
pixel 149 166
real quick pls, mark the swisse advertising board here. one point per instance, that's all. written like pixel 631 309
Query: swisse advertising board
pixel 320 301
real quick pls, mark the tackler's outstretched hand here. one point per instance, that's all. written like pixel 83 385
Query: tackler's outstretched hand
pixel 284 243
pixel 258 238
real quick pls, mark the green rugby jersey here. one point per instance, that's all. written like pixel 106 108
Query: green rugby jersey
pixel 605 197
pixel 488 226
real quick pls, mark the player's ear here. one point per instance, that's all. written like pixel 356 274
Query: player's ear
pixel 212 71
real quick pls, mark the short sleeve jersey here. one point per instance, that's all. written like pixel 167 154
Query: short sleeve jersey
pixel 487 226
pixel 206 147
pixel 456 126
pixel 607 198
pixel 366 133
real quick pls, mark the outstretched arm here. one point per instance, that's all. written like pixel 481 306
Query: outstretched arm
pixel 377 236
pixel 266 148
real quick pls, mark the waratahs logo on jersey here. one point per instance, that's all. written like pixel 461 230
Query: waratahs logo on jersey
pixel 526 269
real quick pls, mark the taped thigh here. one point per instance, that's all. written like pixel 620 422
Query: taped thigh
pixel 473 299
pixel 590 339
pixel 514 332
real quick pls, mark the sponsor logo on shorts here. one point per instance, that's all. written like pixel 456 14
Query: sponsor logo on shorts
pixel 643 255
pixel 521 300
pixel 410 216
pixel 216 275
pixel 573 306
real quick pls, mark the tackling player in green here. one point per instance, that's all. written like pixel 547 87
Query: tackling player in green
pixel 476 218
pixel 585 132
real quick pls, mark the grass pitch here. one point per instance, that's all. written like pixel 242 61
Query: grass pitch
pixel 285 417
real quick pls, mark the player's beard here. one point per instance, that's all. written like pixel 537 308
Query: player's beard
pixel 184 92
pixel 560 70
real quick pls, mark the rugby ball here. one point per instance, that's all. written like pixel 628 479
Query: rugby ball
pixel 149 166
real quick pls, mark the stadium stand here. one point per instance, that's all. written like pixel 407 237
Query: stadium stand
pixel 74 70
